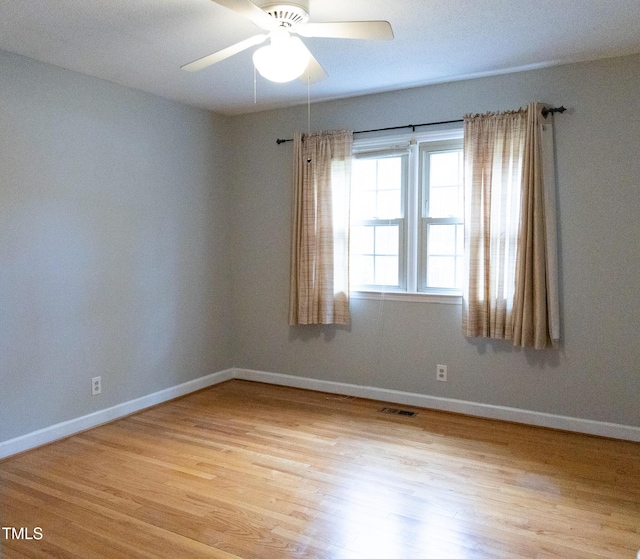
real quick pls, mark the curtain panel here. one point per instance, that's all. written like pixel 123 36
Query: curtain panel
pixel 536 320
pixel 319 278
pixel 510 240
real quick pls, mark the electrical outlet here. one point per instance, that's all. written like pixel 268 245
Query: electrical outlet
pixel 96 386
pixel 441 373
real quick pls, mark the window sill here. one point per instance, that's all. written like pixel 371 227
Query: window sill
pixel 441 298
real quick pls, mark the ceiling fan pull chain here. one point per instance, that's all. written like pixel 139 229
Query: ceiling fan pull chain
pixel 308 101
pixel 308 106
pixel 255 86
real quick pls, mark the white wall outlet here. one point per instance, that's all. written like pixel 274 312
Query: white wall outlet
pixel 441 373
pixel 96 386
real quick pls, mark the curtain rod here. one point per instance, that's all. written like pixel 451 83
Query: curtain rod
pixel 545 113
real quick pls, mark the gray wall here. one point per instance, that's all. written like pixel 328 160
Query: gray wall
pixel 114 257
pixel 396 345
pixel 148 242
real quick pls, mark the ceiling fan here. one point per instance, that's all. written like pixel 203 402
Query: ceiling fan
pixel 286 58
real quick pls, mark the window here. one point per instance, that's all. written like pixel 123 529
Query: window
pixel 378 193
pixel 406 214
pixel 441 222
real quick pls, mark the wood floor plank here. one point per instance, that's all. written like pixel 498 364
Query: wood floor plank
pixel 246 470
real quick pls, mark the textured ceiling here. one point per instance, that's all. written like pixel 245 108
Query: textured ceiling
pixel 143 43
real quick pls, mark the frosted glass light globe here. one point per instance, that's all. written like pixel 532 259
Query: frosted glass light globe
pixel 284 60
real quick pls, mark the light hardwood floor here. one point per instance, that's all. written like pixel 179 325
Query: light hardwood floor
pixel 248 470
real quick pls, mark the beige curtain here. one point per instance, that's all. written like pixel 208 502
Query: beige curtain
pixel 536 320
pixel 319 292
pixel 493 147
pixel 508 219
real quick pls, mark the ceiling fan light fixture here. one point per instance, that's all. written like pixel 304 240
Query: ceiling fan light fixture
pixel 284 60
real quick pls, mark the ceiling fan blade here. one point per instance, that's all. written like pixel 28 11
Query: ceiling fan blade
pixel 249 10
pixel 372 30
pixel 224 53
pixel 314 71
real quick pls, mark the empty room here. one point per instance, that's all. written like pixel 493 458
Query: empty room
pixel 319 279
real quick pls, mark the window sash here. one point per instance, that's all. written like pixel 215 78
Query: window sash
pixel 456 254
pixel 378 257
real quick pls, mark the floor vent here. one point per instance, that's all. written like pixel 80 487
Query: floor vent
pixel 396 411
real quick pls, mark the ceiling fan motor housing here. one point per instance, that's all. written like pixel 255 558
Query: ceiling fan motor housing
pixel 288 13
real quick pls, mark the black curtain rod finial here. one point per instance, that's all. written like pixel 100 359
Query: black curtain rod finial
pixel 546 112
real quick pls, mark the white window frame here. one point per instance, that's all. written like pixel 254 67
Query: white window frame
pixel 400 222
pixel 389 143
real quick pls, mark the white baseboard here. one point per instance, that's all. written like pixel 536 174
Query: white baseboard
pixel 577 425
pixel 67 428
